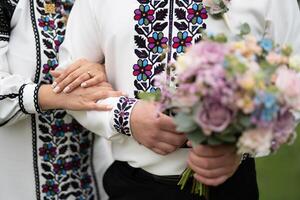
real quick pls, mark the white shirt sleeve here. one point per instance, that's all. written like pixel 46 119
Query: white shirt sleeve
pixel 82 41
pixel 283 23
pixel 18 95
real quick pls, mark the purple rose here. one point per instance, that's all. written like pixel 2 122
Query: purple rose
pixel 284 129
pixel 212 116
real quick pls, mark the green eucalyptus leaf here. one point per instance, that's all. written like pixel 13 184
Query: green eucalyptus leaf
pixel 226 138
pixel 245 121
pixel 217 1
pixel 196 137
pixel 245 29
pixel 185 123
pixel 221 38
pixel 214 141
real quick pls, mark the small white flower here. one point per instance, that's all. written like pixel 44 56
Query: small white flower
pixel 255 141
pixel 294 62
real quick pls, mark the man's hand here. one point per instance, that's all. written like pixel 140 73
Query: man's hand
pixel 213 165
pixel 154 130
pixel 79 99
pixel 80 73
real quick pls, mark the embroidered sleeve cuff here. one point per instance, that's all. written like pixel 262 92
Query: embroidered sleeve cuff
pixel 28 98
pixel 121 115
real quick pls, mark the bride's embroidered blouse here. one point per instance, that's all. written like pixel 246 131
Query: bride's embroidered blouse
pixel 45 156
pixel 130 35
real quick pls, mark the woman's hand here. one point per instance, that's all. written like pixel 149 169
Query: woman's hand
pixel 79 99
pixel 213 165
pixel 81 73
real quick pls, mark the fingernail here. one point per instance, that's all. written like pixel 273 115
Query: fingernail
pixel 54 84
pixel 56 89
pixel 83 84
pixel 67 89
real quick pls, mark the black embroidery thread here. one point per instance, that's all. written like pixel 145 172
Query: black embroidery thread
pixel 63 147
pixel 35 158
pixel 122 115
pixel 92 166
pixel 37 42
pixel 36 99
pixel 21 102
pixel 8 96
pixel 151 21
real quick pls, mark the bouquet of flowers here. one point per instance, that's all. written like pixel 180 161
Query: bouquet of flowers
pixel 244 93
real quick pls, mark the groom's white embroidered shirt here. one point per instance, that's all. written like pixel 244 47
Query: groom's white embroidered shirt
pixel 129 35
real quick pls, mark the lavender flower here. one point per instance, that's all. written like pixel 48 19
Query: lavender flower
pixel 283 129
pixel 209 52
pixel 212 116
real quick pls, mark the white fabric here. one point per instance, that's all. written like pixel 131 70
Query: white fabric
pixel 18 67
pixel 106 32
pixel 15 137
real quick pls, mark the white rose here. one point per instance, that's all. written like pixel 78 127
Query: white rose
pixel 255 141
pixel 294 62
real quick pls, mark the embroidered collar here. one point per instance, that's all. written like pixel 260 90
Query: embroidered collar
pixel 217 8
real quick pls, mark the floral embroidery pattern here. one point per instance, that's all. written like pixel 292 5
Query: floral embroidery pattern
pixel 53 30
pixel 144 15
pixel 142 70
pixel 65 154
pixel 190 22
pixel 154 35
pixel 151 23
pixel 121 115
pixel 182 41
pixel 157 42
pixel 64 147
pixel 196 14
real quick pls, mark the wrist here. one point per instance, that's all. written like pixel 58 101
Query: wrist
pixel 49 100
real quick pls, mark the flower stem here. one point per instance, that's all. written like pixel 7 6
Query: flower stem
pixel 197 187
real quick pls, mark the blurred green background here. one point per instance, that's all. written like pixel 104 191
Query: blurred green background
pixel 279 175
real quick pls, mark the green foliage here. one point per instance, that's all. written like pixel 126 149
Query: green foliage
pixel 279 174
pixel 287 51
pixel 245 29
pixel 196 137
pixel 185 123
pixel 150 96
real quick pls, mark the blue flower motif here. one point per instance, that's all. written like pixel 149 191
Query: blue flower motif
pixel 157 43
pixel 269 107
pixel 266 44
pixel 182 41
pixel 46 23
pixel 153 89
pixel 142 70
pixel 196 14
pixel 144 15
pixel 61 167
pixel 48 151
pixel 59 128
pixel 51 188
